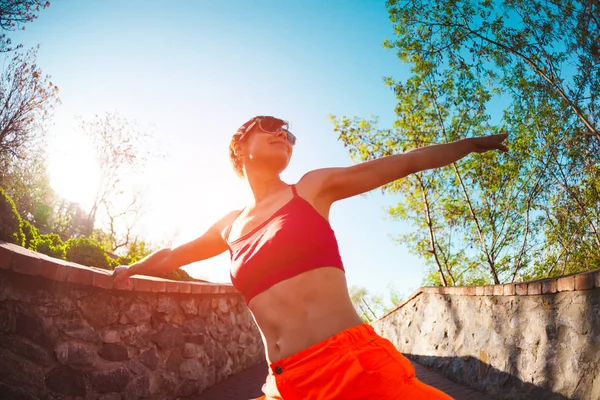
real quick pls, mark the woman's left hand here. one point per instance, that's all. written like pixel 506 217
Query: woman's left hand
pixel 488 143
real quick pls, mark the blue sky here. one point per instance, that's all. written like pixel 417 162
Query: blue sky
pixel 192 72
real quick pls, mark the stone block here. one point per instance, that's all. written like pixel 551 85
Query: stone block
pixel 521 289
pixel 199 288
pixel 195 326
pixel 167 305
pixel 5 256
pixel 509 289
pixel 27 349
pixel 80 275
pixel 66 381
pixel 53 269
pixel 110 380
pixel 171 286
pixel 168 337
pixel 147 285
pixel 15 371
pixel 534 288
pixel 111 336
pixel 488 290
pixel 191 369
pixel 174 361
pixel 149 358
pixel 98 309
pixel 139 388
pixel 26 262
pixel 15 393
pixel 188 305
pixel 188 388
pixel 566 284
pixel 584 281
pixel 79 330
pixel 75 353
pixel 138 312
pixel 101 280
pixel 114 352
pixel 184 287
pixel 32 327
pixel 7 320
pixel 479 290
pixel 549 286
pixel 192 350
pixel 498 290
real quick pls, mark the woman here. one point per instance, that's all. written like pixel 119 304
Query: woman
pixel 286 263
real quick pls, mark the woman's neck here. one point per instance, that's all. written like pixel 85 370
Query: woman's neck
pixel 263 185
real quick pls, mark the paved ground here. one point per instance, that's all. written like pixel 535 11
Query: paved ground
pixel 246 385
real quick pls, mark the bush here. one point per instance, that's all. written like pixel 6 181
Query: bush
pixel 177 275
pixel 10 221
pixel 87 252
pixel 32 234
pixel 51 245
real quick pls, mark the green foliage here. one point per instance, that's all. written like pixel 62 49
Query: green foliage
pixel 10 221
pixel 32 234
pixel 68 219
pixel 137 250
pixel 477 68
pixel 86 252
pixel 370 306
pixel 26 181
pixel 50 244
pixel 177 275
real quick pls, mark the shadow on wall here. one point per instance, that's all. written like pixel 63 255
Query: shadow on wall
pixel 456 368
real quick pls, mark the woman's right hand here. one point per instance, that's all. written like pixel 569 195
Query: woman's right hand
pixel 121 276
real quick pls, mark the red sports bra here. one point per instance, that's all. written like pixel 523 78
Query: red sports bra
pixel 295 239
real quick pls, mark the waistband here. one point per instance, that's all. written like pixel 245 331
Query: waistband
pixel 338 344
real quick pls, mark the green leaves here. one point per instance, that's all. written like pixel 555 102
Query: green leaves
pixel 486 67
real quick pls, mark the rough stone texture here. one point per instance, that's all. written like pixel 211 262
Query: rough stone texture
pixel 114 352
pixel 75 353
pixel 512 347
pixel 110 380
pixel 61 340
pixel 66 381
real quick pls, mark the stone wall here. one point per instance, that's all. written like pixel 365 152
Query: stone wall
pixel 535 340
pixel 66 333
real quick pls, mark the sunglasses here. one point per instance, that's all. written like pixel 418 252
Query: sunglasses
pixel 270 125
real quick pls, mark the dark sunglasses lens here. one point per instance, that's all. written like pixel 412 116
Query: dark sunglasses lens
pixel 291 137
pixel 270 124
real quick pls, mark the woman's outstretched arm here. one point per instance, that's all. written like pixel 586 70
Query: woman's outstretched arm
pixel 210 244
pixel 340 183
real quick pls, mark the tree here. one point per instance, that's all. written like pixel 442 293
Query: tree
pixel 488 219
pixel 26 99
pixel 119 146
pixel 369 306
pixel 68 219
pixel 14 14
pixel 553 44
pixel 26 180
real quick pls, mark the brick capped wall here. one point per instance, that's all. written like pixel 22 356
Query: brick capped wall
pixel 66 332
pixel 530 340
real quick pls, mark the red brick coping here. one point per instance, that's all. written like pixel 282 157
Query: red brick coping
pixel 566 283
pixel 29 262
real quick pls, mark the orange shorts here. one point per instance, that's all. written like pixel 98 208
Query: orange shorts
pixel 353 364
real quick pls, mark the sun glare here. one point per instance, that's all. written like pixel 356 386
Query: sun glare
pixel 72 166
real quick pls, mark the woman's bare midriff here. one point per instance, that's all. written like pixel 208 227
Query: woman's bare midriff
pixel 297 313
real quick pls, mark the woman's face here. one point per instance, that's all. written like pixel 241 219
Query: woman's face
pixel 266 150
